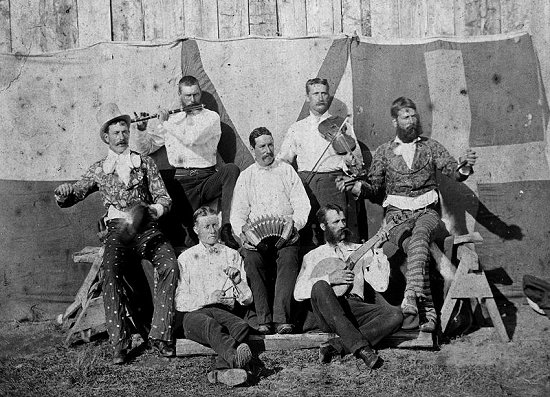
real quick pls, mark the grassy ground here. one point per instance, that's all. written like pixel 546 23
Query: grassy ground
pixel 34 363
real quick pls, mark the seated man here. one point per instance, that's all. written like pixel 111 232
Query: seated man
pixel 129 183
pixel 191 139
pixel 270 187
pixel 212 278
pixel 361 317
pixel 405 169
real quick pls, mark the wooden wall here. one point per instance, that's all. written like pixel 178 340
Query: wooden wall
pixel 34 26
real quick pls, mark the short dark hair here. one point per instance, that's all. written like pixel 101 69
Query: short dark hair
pixel 202 212
pixel 116 122
pixel 401 103
pixel 257 132
pixel 316 80
pixel 322 212
pixel 188 81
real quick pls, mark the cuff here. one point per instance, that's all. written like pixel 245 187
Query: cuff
pixel 159 208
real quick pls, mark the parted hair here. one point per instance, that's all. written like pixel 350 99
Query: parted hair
pixel 401 103
pixel 116 122
pixel 322 212
pixel 201 212
pixel 257 132
pixel 316 80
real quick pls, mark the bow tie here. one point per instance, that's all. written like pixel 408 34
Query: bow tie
pixel 122 164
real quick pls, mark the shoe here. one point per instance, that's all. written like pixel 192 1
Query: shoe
pixel 119 357
pixel 429 326
pixel 163 348
pixel 243 355
pixel 369 357
pixel 408 306
pixel 284 328
pixel 226 235
pixel 265 329
pixel 326 353
pixel 229 377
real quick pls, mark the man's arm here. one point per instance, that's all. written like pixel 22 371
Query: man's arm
pixel 304 282
pixel 298 199
pixel 288 147
pixel 240 205
pixel 161 200
pixel 447 164
pixel 244 296
pixel 68 194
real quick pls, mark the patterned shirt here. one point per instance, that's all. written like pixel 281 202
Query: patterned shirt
pixel 304 282
pixel 145 186
pixel 390 174
pixel 201 273
pixel 304 142
pixel 272 190
pixel 191 140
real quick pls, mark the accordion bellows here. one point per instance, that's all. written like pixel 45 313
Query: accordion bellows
pixel 268 227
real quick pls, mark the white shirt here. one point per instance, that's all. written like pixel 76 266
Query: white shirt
pixel 304 282
pixel 273 190
pixel 191 140
pixel 304 142
pixel 201 273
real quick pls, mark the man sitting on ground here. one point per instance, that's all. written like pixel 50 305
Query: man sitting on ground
pixel 212 279
pixel 361 317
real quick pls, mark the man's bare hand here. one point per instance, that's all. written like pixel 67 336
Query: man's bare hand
pixel 153 212
pixel 142 125
pixel 64 190
pixel 217 296
pixel 469 158
pixel 245 243
pixel 163 114
pixel 341 276
pixel 345 184
pixel 233 273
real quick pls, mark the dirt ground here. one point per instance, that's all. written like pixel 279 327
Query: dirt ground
pixel 33 362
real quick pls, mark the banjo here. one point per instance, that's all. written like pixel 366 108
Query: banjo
pixel 328 265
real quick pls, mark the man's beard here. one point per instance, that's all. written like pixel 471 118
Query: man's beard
pixel 410 133
pixel 335 238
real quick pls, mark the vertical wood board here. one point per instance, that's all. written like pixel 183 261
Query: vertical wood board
pixel 515 15
pixel 351 17
pixel 94 21
pixel 201 18
pixel 263 17
pixel 412 18
pixel 384 18
pixel 163 19
pixel 5 28
pixel 440 18
pixel 366 24
pixel 233 18
pixel 292 17
pixel 324 17
pixel 127 17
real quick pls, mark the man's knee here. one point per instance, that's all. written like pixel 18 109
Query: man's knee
pixel 230 170
pixel 320 288
pixel 394 318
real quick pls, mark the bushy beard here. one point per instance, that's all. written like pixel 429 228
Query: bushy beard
pixel 410 133
pixel 334 238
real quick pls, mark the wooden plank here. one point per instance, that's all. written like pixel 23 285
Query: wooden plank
pixel 351 17
pixel 384 18
pixel 460 17
pixel 492 17
pixel 412 18
pixel 201 18
pixel 292 17
pixel 94 21
pixel 233 18
pixel 163 19
pixel 127 17
pixel 515 15
pixel 440 18
pixel 480 17
pixel 45 26
pixel 324 17
pixel 401 339
pixel 5 28
pixel 262 17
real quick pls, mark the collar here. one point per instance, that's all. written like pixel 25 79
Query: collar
pixel 214 249
pixel 267 168
pixel 316 120
pixel 129 158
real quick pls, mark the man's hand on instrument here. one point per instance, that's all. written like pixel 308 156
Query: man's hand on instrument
pixel 217 296
pixel 141 125
pixel 345 183
pixel 341 276
pixel 468 160
pixel 245 243
pixel 64 190
pixel 233 273
pixel 154 212
pixel 163 114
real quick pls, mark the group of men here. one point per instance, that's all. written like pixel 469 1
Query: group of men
pixel 204 288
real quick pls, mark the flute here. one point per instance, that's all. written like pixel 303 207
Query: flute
pixel 189 108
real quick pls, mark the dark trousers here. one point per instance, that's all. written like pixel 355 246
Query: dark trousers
pixel 118 259
pixel 202 185
pixel 321 190
pixel 272 277
pixel 218 328
pixel 358 323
